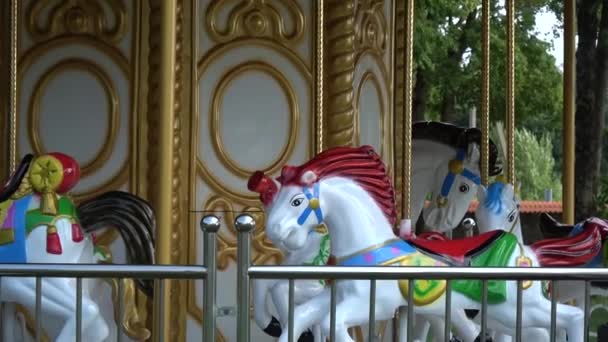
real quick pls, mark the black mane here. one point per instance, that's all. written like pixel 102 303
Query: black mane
pixel 457 137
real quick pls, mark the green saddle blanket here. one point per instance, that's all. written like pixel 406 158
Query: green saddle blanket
pixel 497 255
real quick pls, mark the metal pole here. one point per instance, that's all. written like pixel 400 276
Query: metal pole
pixel 372 310
pixel 210 225
pixel 484 308
pixel 291 308
pixel 38 309
pixel 121 311
pixel 78 309
pixel 244 224
pixel 448 311
pixel 518 313
pixel 552 332
pixel 569 110
pixel 410 310
pixel 485 90
pixel 332 313
pixel 587 309
pixel 510 4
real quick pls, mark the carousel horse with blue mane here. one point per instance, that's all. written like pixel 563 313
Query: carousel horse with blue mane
pixel 446 164
pixel 348 190
pixel 39 223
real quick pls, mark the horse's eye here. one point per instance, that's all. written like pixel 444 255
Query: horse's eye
pixel 464 188
pixel 511 217
pixel 296 202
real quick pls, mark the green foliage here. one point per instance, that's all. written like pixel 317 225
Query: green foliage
pixel 534 166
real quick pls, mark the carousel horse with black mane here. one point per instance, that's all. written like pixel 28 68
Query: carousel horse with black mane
pixel 445 163
pixel 348 189
pixel 41 224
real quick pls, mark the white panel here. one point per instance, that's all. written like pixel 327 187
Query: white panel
pixel 370 115
pixel 70 99
pixel 246 124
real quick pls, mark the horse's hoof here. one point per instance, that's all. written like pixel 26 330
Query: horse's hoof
pixel 274 328
pixel 487 339
pixel 455 339
pixel 307 336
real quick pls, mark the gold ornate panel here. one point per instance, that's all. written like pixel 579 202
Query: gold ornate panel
pixel 254 110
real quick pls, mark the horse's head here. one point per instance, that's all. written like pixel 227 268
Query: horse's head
pixel 454 189
pixel 498 207
pixel 293 211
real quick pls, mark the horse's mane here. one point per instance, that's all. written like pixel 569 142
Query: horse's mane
pixel 360 164
pixel 572 251
pixel 457 137
pixel 493 197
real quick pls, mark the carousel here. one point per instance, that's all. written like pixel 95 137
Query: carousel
pixel 272 144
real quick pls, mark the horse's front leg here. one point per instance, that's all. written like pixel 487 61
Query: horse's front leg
pixel 308 314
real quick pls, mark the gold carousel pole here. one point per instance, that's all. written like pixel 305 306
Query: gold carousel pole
pixel 14 13
pixel 569 111
pixel 163 309
pixel 510 91
pixel 485 90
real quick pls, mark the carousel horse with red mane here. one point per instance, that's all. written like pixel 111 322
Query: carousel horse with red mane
pixel 446 163
pixel 348 190
pixel 39 223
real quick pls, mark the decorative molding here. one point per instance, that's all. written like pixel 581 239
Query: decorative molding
pixel 255 18
pixel 340 65
pixel 371 27
pixel 369 76
pixel 76 17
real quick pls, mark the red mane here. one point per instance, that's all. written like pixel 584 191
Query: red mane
pixel 572 251
pixel 360 164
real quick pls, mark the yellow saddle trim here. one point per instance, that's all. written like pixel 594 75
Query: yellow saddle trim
pixel 425 291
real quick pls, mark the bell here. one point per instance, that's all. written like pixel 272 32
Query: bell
pixel 53 243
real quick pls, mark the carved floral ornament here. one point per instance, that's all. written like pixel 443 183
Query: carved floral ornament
pixel 371 26
pixel 255 18
pixel 88 17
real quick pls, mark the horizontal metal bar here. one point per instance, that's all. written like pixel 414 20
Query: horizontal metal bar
pixel 392 272
pixel 103 271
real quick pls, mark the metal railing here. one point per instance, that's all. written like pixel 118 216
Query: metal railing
pixel 244 224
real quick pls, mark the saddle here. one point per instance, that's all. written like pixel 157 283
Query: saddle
pixel 457 252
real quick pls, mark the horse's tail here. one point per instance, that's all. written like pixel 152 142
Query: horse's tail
pixel 135 220
pixel 571 251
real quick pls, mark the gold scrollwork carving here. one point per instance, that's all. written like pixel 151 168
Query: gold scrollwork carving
pixel 112 102
pixel 340 110
pixel 255 18
pixel 398 98
pixel 370 77
pixel 217 100
pixel 371 27
pixel 76 17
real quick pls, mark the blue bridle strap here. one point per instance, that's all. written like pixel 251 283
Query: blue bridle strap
pixel 450 177
pixel 315 195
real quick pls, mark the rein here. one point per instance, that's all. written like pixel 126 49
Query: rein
pixel 455 167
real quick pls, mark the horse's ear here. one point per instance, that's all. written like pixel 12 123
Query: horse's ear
pixel 481 192
pixel 309 177
pixel 473 154
pixel 509 190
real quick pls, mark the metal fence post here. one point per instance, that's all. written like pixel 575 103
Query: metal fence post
pixel 244 224
pixel 210 225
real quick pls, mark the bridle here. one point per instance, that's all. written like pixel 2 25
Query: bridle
pixel 455 167
pixel 313 205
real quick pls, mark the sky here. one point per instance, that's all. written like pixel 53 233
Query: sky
pixel 544 25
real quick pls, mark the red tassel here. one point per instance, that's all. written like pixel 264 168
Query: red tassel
pixel 77 235
pixel 53 243
pixel 94 238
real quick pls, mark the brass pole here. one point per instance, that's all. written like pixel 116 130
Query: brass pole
pixel 485 90
pixel 319 74
pixel 168 12
pixel 510 91
pixel 569 111
pixel 407 113
pixel 13 85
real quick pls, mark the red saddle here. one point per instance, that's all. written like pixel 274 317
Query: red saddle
pixel 457 251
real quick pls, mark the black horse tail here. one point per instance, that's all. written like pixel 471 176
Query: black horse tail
pixel 135 220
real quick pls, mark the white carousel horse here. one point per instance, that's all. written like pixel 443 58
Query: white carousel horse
pixel 348 190
pixel 445 163
pixel 39 224
pixel 499 209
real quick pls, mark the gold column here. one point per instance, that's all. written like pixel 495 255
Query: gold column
pixel 569 111
pixel 407 102
pixel 510 91
pixel 319 67
pixel 340 65
pixel 5 34
pixel 14 13
pixel 166 11
pixel 398 86
pixel 485 90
